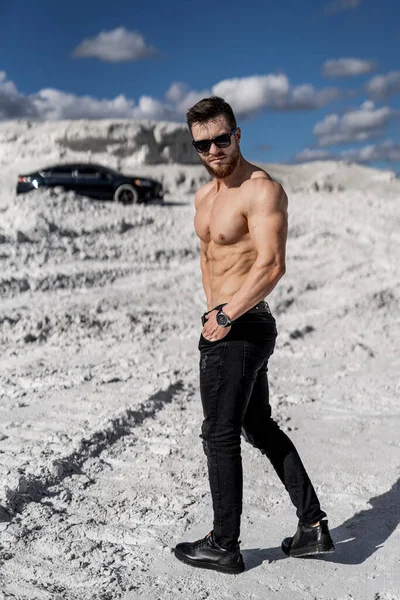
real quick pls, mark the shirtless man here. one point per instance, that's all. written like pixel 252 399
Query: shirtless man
pixel 241 220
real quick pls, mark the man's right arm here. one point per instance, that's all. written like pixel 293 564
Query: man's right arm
pixel 204 261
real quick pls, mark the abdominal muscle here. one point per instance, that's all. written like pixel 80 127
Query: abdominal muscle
pixel 228 268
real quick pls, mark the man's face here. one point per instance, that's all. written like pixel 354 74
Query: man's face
pixel 219 162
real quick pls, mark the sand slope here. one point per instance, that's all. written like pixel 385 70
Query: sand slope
pixel 101 466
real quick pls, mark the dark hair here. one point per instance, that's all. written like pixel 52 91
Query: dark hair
pixel 209 109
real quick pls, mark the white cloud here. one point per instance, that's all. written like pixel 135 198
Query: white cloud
pixel 13 104
pixel 247 95
pixel 118 45
pixel 306 97
pixel 356 125
pixel 149 108
pixel 180 98
pixel 387 151
pixel 348 67
pixel 383 86
pixel 250 94
pixel 309 154
pixel 54 105
pixel 341 5
pixel 189 100
pixel 177 92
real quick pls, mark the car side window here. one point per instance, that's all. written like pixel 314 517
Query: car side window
pixel 86 172
pixel 59 172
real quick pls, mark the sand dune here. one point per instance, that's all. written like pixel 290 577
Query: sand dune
pixel 101 467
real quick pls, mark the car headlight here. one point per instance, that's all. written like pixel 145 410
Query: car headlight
pixel 144 183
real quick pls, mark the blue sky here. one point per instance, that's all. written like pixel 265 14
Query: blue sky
pixel 311 79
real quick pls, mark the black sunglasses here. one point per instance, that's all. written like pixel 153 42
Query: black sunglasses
pixel 221 141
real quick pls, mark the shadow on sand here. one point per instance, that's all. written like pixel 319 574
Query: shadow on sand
pixel 355 540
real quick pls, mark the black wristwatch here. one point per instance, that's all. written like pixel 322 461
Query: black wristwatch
pixel 222 319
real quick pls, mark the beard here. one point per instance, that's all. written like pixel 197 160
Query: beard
pixel 222 171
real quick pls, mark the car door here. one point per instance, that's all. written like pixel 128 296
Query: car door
pixel 92 181
pixel 60 175
pixel 108 183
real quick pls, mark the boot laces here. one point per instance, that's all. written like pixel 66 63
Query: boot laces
pixel 206 541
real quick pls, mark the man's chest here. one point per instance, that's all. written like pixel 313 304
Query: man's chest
pixel 220 220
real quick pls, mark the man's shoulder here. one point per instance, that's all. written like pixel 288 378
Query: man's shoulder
pixel 259 173
pixel 260 189
pixel 261 183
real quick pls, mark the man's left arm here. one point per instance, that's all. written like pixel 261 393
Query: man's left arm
pixel 266 212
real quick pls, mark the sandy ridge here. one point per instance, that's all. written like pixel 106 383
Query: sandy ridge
pixel 83 367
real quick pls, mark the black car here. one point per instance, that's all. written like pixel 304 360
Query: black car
pixel 94 181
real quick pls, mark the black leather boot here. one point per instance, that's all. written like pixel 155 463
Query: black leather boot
pixel 309 540
pixel 206 554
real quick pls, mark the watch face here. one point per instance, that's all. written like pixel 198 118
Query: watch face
pixel 222 319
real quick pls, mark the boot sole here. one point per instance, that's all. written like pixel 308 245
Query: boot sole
pixel 232 570
pixel 309 552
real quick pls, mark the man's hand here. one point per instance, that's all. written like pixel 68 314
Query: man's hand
pixel 212 331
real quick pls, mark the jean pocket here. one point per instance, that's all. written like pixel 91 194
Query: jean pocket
pixel 204 342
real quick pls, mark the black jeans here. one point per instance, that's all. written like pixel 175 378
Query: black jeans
pixel 235 398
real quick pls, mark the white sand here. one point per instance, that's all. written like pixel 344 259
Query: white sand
pixel 101 466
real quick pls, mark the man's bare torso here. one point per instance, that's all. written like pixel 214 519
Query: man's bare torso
pixel 221 224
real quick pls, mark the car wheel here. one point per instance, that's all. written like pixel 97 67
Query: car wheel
pixel 126 194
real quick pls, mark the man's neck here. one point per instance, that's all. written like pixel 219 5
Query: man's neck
pixel 236 178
